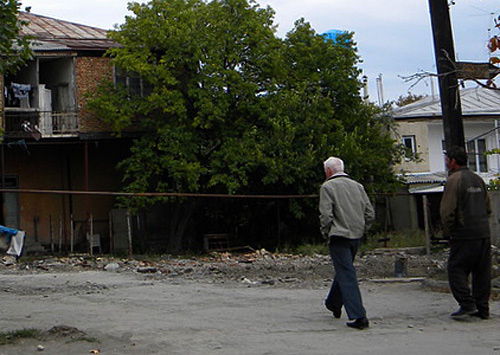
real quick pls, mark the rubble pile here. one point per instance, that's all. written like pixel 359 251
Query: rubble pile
pixel 260 267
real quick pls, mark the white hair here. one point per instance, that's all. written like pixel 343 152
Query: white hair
pixel 335 164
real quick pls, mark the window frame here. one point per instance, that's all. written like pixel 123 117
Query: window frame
pixel 133 83
pixel 477 160
pixel 413 144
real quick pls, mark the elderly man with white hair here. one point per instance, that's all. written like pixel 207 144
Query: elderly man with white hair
pixel 345 215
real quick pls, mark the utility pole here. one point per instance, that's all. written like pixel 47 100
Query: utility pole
pixel 447 74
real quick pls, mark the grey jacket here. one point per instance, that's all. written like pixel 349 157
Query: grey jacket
pixel 344 207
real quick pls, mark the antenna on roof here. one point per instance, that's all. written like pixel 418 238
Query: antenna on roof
pixel 380 90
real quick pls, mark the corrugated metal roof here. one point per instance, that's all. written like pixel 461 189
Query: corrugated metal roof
pixel 422 183
pixel 434 182
pixel 53 34
pixel 426 189
pixel 424 178
pixel 478 101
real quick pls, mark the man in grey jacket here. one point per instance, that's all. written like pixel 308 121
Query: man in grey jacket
pixel 345 215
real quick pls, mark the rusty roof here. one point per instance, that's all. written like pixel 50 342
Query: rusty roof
pixel 52 34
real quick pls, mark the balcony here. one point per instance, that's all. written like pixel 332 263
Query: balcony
pixel 31 122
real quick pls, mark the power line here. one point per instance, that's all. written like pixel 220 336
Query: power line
pixel 151 194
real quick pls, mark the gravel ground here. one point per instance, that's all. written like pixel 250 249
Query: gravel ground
pixel 254 303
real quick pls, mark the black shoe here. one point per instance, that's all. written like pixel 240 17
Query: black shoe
pixel 359 323
pixel 482 315
pixel 462 313
pixel 337 312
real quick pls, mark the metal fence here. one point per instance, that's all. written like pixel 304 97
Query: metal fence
pixel 23 123
pixel 216 221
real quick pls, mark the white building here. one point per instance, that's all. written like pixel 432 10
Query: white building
pixel 420 128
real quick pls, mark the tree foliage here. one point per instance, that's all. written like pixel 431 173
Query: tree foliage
pixel 14 49
pixel 234 108
pixel 407 99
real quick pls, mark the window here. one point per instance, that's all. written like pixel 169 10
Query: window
pixel 409 143
pixel 135 85
pixel 475 154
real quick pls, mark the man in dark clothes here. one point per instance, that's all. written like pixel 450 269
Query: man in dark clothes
pixel 464 209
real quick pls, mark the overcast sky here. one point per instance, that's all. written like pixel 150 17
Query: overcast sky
pixel 393 36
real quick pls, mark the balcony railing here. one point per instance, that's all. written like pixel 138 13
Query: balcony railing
pixel 22 122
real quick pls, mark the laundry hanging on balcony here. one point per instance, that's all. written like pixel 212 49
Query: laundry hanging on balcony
pixel 20 91
pixel 18 95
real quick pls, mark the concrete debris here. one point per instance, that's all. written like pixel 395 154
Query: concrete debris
pixel 247 281
pixel 259 267
pixel 112 267
pixel 8 260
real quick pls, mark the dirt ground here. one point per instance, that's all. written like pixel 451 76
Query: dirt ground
pixel 255 303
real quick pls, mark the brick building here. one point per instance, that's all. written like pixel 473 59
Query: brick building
pixel 52 143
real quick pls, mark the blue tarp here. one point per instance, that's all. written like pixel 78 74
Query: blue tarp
pixel 332 34
pixel 9 232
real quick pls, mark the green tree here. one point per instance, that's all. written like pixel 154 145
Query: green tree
pixel 407 99
pixel 320 101
pixel 235 109
pixel 14 49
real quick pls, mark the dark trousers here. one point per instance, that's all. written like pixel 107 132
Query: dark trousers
pixel 345 290
pixel 470 257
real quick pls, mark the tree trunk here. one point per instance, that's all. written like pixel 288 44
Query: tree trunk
pixel 181 213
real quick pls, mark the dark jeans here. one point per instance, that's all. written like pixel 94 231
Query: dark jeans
pixel 345 289
pixel 470 257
